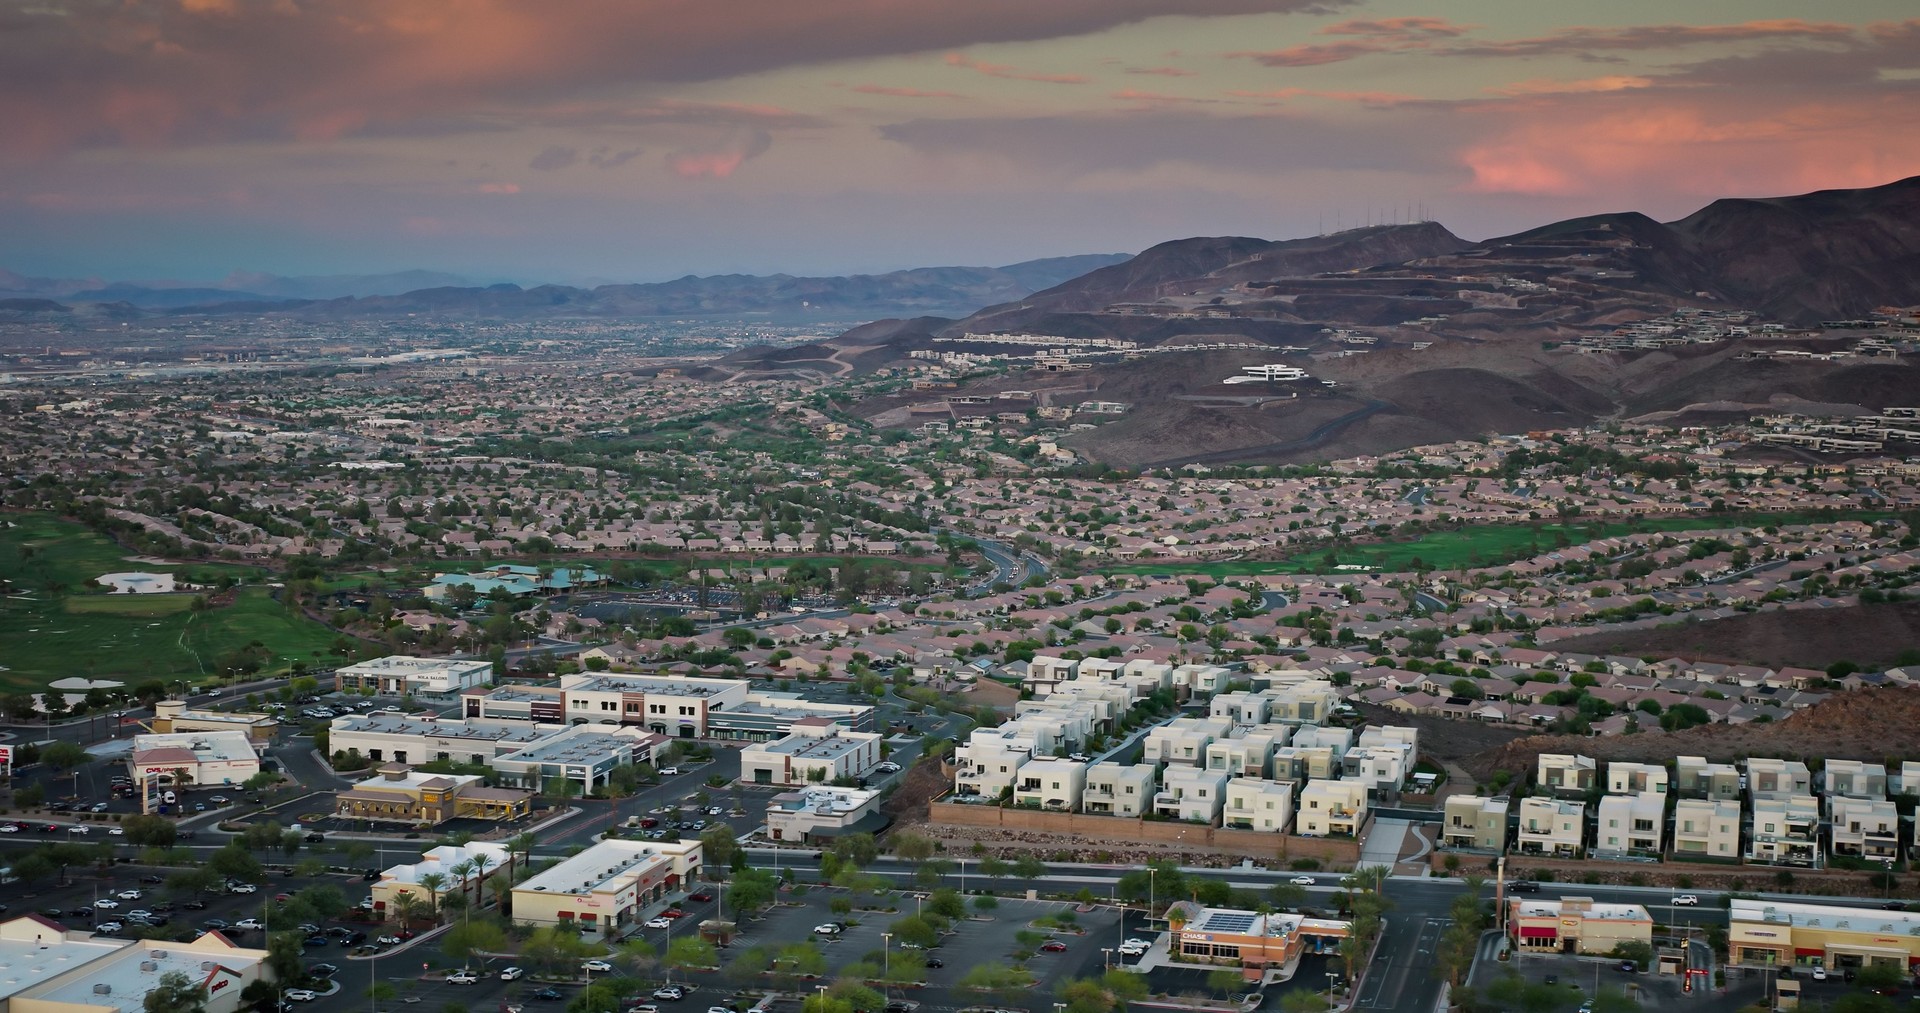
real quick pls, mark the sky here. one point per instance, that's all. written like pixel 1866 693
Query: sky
pixel 636 140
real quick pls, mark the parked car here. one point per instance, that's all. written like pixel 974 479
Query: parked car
pixel 393 940
pixel 107 928
pixel 671 993
pixel 1302 881
pixel 106 903
pixel 462 978
pixel 549 993
pixel 1053 946
pixel 323 970
pixel 249 924
pixel 1687 900
pixel 511 973
pixel 1819 973
pixel 659 923
pixel 596 967
pixel 702 896
pixel 301 994
pixel 935 962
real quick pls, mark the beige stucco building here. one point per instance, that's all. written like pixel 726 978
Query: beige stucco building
pixel 602 890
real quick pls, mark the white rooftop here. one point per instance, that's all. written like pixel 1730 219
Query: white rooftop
pixel 130 972
pixel 442 860
pixel 206 747
pixel 607 866
pixel 32 950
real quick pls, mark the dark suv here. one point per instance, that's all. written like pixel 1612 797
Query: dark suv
pixel 1523 886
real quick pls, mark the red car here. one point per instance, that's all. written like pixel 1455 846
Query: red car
pixel 648 821
pixel 702 897
pixel 673 913
pixel 1053 946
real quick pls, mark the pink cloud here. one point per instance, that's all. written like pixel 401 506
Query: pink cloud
pixel 1548 86
pixel 1366 98
pixel 1399 28
pixel 721 160
pixel 1162 71
pixel 497 188
pixel 1315 55
pixel 1011 73
pixel 875 89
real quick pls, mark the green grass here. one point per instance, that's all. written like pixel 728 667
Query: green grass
pixel 1485 545
pixel 59 623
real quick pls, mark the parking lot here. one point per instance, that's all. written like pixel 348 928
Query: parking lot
pixel 1583 977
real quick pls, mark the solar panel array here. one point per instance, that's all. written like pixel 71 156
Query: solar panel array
pixel 1228 921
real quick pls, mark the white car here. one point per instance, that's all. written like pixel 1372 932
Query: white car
pixel 128 895
pixel 301 994
pixel 597 967
pixel 107 928
pixel 242 888
pixel 251 924
pixel 8 828
pixel 659 923
pixel 79 829
pixel 139 914
pixel 219 800
pixel 1687 900
pixel 1301 881
pixel 106 904
pixel 1819 972
pixel 116 832
pixel 462 978
pixel 511 973
pixel 392 941
pixel 828 928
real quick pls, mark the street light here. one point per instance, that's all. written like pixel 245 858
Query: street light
pixel 1150 871
pixel 886 964
pixel 1108 951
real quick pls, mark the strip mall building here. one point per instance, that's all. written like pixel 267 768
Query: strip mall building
pixel 1577 925
pixel 1769 933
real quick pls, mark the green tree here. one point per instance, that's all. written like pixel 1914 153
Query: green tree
pixel 692 953
pixel 469 937
pixel 175 993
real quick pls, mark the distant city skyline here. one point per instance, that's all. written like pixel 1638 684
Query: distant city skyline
pixel 641 141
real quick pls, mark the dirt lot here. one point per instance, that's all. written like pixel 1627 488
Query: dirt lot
pixel 1872 636
pixel 1873 724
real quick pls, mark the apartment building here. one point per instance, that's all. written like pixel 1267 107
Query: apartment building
pixel 1551 827
pixel 1784 830
pixel 1332 809
pixel 1864 828
pixel 1198 680
pixel 1239 707
pixel 1694 776
pixel 1475 823
pixel 1708 827
pixel 1631 824
pixel 1250 753
pixel 1399 736
pixel 1119 789
pixel 1255 803
pixel 1624 778
pixel 1566 773
pixel 1308 703
pixel 1050 784
pixel 1383 768
pixel 987 765
pixel 1184 740
pixel 1045 672
pixel 1855 779
pixel 1905 781
pixel 1191 793
pixel 1773 778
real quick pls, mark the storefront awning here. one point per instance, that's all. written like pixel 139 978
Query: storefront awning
pixel 1539 932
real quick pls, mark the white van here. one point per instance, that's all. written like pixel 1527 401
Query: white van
pixel 168 797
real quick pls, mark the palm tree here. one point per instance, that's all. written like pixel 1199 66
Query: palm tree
pixel 463 873
pixel 480 861
pixel 406 907
pixel 432 882
pixel 523 844
pixel 502 887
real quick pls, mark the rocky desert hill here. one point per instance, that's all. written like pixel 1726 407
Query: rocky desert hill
pixel 1871 724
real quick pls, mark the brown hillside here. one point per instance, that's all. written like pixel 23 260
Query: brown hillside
pixel 1871 636
pixel 1872 724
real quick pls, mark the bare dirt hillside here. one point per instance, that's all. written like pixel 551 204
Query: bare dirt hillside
pixel 1876 724
pixel 1871 636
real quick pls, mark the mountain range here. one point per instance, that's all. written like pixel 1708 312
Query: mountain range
pixel 952 290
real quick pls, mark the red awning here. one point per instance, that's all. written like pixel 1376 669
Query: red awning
pixel 1539 932
pixel 1803 951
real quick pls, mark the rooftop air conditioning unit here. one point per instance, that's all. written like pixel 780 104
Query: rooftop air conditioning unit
pixel 102 988
pixel 148 965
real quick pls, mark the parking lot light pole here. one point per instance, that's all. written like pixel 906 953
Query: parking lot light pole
pixel 1108 951
pixel 886 964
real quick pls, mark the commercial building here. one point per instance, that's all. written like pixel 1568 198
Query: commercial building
pixel 583 754
pixel 193 759
pixel 1470 822
pixel 677 706
pixel 402 675
pixel 1577 925
pixel 399 794
pixel 602 890
pixel 1768 933
pixel 178 716
pixel 1551 827
pixel 404 738
pixel 460 868
pixel 809 815
pixel 1248 939
pixel 816 751
pixel 48 969
pixel 1708 828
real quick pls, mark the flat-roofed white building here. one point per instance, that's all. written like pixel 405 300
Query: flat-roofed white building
pixel 404 675
pixel 1629 824
pixel 462 868
pixel 1240 707
pixel 1772 933
pixel 1785 830
pixel 1706 826
pixel 1774 778
pixel 193 759
pixel 1332 809
pixel 1624 778
pixel 1184 740
pixel 1392 735
pixel 1191 793
pixel 1255 803
pixel 83 973
pixel 1551 827
pixel 1569 773
pixel 1865 828
pixel 1694 775
pixel 406 738
pixel 178 716
pixel 602 890
pixel 1051 783
pixel 986 766
pixel 1197 679
pixel 816 814
pixel 815 752
pixel 1249 754
pixel 1577 924
pixel 583 754
pixel 1855 779
pixel 1383 767
pixel 1118 789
